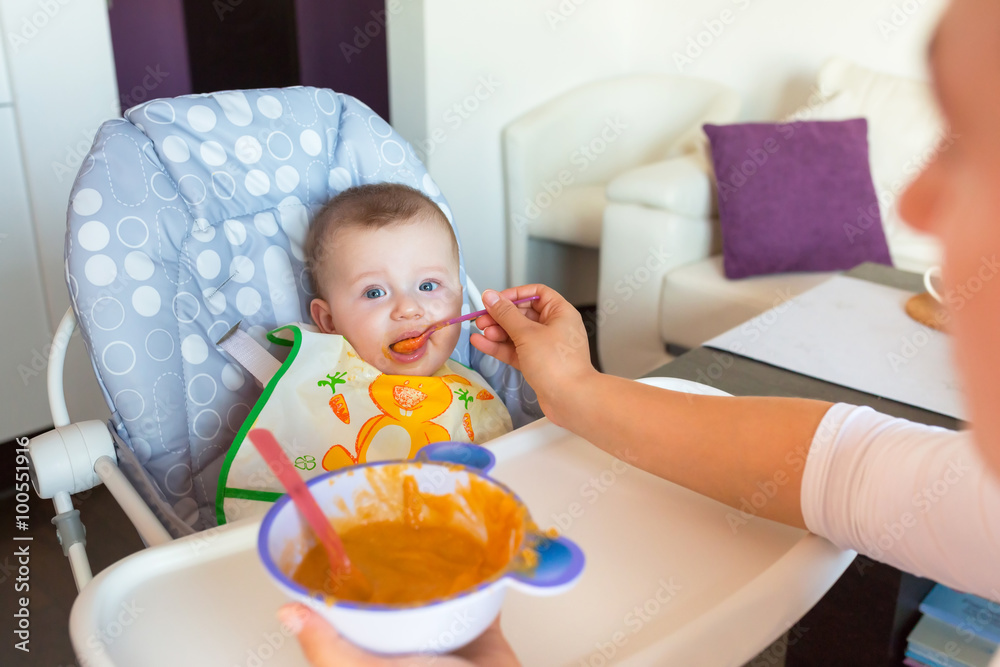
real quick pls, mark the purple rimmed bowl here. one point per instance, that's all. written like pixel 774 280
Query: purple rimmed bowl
pixel 438 626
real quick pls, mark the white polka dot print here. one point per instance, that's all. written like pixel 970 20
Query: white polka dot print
pixel 223 184
pixel 107 313
pixel 212 153
pixel 430 187
pixel 286 178
pixel 236 107
pixel 236 233
pixel 232 377
pixel 130 404
pixel 201 118
pixel 100 270
pixel 146 301
pixel 269 105
pixel 257 182
pixel 265 223
pixel 241 269
pixel 93 235
pixel 176 149
pixel 215 300
pixel 340 179
pixel 202 389
pixel 279 145
pixel 118 358
pixel 202 231
pixel 159 345
pixel 192 189
pixel 311 142
pixel 193 349
pixel 248 301
pixel 138 265
pixel 248 150
pixel 133 232
pixel 87 202
pixel 208 264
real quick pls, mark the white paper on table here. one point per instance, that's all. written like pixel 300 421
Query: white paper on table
pixel 854 333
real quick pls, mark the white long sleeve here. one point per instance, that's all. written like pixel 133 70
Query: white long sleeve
pixel 917 497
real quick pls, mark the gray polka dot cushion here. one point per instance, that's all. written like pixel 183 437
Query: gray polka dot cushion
pixel 187 217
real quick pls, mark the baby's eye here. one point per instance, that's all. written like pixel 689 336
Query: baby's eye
pixel 374 293
pixel 428 286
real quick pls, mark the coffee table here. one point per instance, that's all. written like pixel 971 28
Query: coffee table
pixel 865 617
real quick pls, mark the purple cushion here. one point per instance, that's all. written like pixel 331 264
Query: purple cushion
pixel 796 197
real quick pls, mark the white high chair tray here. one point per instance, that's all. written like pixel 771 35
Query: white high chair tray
pixel 668 579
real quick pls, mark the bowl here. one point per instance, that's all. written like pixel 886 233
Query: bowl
pixel 527 559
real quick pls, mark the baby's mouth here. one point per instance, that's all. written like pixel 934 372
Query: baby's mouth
pixel 410 342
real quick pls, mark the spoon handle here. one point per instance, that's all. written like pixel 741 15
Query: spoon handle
pixel 477 313
pixel 283 469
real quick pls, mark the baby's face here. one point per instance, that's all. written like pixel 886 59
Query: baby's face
pixel 388 284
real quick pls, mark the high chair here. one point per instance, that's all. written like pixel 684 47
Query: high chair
pixel 188 217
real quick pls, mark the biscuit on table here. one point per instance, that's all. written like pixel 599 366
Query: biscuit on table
pixel 925 309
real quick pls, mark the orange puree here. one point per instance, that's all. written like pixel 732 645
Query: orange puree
pixel 414 547
pixel 408 345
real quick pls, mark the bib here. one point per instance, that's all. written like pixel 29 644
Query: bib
pixel 330 409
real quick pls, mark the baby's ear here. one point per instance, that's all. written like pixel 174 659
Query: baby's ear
pixel 322 316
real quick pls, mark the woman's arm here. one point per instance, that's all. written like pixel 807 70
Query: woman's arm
pixel 726 448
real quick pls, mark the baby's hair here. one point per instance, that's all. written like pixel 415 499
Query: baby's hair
pixel 368 207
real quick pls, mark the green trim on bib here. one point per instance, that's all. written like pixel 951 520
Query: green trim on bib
pixel 222 490
pixel 249 494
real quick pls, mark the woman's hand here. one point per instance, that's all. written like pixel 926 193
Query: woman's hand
pixel 545 339
pixel 324 647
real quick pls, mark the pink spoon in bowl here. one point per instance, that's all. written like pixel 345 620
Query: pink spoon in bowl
pixel 277 461
pixel 408 345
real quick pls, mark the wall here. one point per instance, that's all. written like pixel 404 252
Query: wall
pixel 496 61
pixel 342 46
pixel 62 82
pixel 149 35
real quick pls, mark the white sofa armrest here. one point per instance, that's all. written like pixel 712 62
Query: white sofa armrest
pixel 639 246
pixel 682 185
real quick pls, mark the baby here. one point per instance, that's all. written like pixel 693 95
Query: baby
pixel 384 263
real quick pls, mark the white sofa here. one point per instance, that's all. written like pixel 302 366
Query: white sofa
pixel 559 157
pixel 661 279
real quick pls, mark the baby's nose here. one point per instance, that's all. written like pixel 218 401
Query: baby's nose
pixel 407 307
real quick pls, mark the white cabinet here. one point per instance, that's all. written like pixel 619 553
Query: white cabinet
pixel 57 85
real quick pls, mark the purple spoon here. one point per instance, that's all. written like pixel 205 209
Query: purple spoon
pixel 408 345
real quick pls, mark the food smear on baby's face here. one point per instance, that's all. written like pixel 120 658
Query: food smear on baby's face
pixel 415 547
